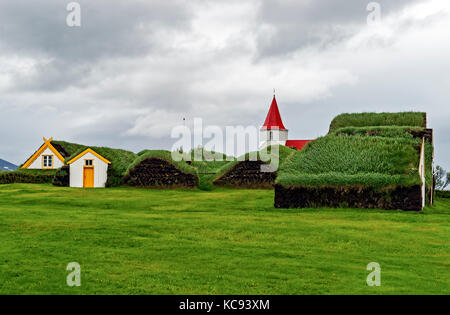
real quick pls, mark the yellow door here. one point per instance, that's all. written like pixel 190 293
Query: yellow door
pixel 88 177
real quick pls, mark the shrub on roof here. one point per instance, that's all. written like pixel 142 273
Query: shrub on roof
pixel 409 119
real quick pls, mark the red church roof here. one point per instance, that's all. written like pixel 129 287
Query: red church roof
pixel 297 144
pixel 273 119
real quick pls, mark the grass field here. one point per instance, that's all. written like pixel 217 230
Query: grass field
pixel 131 241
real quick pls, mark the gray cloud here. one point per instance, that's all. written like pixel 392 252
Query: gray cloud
pixel 300 24
pixel 109 30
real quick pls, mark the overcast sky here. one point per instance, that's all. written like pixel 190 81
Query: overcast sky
pixel 135 68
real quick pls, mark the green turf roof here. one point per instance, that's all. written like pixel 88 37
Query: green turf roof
pixel 283 154
pixel 164 155
pixel 355 160
pixel 379 131
pixel 408 119
pixel 120 159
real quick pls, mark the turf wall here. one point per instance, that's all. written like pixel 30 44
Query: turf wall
pixel 247 174
pixel 390 198
pixel 154 172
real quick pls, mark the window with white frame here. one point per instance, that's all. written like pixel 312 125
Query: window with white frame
pixel 88 162
pixel 47 161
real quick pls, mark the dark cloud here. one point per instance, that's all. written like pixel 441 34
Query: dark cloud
pixel 110 29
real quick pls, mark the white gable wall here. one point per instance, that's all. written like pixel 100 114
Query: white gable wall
pixel 77 169
pixel 37 164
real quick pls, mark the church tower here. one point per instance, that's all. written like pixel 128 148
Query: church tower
pixel 273 131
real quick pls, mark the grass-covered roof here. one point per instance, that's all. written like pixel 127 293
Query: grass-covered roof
pixel 403 119
pixel 282 154
pixel 380 131
pixel 164 155
pixel 389 158
pixel 120 159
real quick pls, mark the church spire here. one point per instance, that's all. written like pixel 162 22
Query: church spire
pixel 273 119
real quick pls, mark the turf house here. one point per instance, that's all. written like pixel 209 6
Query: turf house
pixel 367 160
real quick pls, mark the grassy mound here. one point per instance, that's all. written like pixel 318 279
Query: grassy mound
pixel 208 164
pixel 245 172
pixel 157 169
pixel 283 154
pixel 164 155
pixel 408 119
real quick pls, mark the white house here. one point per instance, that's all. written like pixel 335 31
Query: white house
pixel 89 170
pixel 45 158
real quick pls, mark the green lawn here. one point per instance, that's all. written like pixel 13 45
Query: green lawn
pixel 132 241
